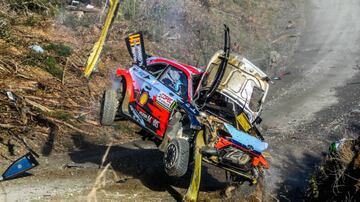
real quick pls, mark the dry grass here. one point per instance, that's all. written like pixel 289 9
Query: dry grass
pixel 100 180
pixel 337 178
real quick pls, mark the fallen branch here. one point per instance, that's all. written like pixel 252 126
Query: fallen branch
pixel 68 125
pixel 42 99
pixel 38 106
pixel 8 126
pixel 4 69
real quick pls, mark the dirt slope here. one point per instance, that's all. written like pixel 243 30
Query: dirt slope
pixel 314 95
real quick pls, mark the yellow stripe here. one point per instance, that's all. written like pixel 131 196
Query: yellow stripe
pixel 132 44
pixel 193 190
pixel 134 36
pixel 135 39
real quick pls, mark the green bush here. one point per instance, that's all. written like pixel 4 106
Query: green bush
pixel 47 63
pixel 59 49
pixel 52 66
pixel 45 7
pixel 31 21
pixel 62 115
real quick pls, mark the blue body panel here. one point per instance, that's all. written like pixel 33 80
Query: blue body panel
pixel 246 140
pixel 143 78
pixel 192 112
pixel 21 165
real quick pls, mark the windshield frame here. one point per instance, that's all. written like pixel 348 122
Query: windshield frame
pixel 188 89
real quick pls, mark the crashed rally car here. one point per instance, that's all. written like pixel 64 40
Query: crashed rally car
pixel 174 101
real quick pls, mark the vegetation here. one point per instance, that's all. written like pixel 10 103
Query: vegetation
pixel 44 7
pixel 52 60
pixel 4 28
pixel 191 31
pixel 338 177
pixel 61 115
pixel 51 65
pixel 60 49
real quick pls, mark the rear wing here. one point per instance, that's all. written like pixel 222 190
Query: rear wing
pixel 136 48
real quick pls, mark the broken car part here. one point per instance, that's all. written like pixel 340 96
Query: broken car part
pixel 222 67
pixel 136 48
pixel 20 166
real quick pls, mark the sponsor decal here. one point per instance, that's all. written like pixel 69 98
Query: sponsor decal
pixel 134 39
pixel 135 45
pixel 136 116
pixel 151 120
pixel 144 97
pixel 165 101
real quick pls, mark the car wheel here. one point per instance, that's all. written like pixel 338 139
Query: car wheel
pixel 109 108
pixel 176 157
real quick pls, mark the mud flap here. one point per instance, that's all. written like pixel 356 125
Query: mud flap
pixel 20 166
pixel 193 190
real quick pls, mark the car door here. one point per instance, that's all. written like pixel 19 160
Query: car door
pixel 159 96
pixel 149 93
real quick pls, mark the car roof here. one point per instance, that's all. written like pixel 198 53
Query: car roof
pixel 191 69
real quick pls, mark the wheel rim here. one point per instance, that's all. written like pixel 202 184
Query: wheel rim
pixel 171 155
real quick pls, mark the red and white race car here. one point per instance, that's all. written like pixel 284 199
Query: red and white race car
pixel 173 101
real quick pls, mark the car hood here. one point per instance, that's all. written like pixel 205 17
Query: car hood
pixel 243 82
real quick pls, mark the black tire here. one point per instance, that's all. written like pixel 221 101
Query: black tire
pixel 120 97
pixel 176 157
pixel 109 107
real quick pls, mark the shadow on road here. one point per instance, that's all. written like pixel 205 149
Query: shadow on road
pixel 141 160
pixel 296 175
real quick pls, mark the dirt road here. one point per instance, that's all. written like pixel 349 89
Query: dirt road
pixel 136 174
pixel 326 60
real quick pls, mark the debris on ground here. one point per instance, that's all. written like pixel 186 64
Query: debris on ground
pixel 229 191
pixel 19 167
pixel 36 48
pixel 82 165
pixel 281 75
pixel 275 61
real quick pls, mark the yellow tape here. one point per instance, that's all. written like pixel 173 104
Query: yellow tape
pixel 193 190
pixel 245 124
pixel 98 46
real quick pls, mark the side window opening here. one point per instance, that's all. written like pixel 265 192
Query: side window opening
pixel 195 81
pixel 222 106
pixel 176 80
pixel 156 69
pixel 256 97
